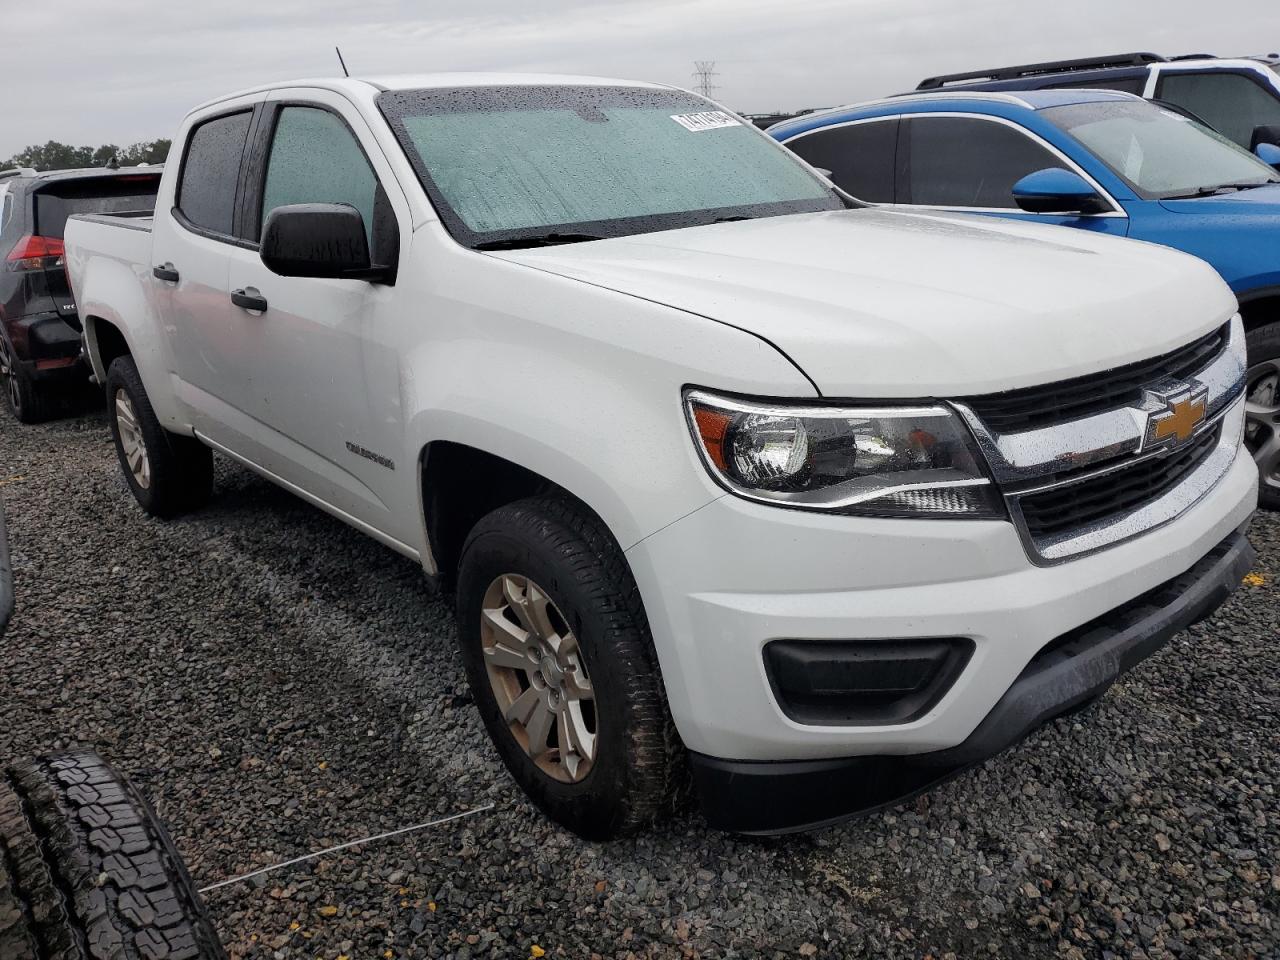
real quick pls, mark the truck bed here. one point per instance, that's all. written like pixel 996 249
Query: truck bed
pixel 129 220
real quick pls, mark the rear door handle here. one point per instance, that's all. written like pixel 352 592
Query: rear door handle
pixel 250 299
pixel 166 271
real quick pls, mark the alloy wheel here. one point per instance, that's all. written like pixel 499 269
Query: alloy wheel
pixel 539 677
pixel 9 376
pixel 132 441
pixel 1262 419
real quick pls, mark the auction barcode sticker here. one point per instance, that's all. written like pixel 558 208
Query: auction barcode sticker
pixel 709 120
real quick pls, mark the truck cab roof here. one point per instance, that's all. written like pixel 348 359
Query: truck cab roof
pixel 428 81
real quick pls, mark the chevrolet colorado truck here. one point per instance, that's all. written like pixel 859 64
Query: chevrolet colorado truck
pixel 732 479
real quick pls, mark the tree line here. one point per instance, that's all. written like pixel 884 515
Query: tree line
pixel 62 156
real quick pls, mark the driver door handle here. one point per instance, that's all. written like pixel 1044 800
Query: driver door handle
pixel 166 271
pixel 249 298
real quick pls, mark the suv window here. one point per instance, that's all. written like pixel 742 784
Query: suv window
pixel 316 159
pixel 965 162
pixel 207 191
pixel 860 156
pixel 1232 103
pixel 131 193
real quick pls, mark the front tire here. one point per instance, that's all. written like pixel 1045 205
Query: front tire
pixel 561 663
pixel 1262 427
pixel 168 473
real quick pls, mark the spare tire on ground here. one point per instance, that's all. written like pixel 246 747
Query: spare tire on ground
pixel 87 871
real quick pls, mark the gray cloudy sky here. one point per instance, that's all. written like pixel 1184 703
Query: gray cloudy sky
pixel 94 71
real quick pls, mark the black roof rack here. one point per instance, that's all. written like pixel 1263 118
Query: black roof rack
pixel 1194 56
pixel 1053 66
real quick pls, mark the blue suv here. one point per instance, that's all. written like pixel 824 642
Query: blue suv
pixel 1090 159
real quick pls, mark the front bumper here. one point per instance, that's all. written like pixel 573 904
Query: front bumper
pixel 782 797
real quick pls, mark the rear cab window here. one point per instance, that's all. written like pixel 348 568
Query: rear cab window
pixel 210 172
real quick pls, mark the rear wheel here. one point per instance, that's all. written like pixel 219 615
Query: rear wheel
pixel 168 473
pixel 559 658
pixel 1262 426
pixel 25 399
pixel 87 871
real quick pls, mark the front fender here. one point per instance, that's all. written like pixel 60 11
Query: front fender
pixel 579 384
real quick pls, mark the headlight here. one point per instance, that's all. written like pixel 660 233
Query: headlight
pixel 896 462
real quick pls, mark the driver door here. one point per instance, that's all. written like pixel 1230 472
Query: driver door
pixel 318 387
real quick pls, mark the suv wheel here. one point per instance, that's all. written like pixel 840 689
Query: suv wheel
pixel 1262 426
pixel 560 660
pixel 167 473
pixel 25 400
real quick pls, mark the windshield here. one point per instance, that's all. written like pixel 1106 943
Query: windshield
pixel 512 166
pixel 1159 152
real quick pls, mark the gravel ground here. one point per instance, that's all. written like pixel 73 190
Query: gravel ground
pixel 278 683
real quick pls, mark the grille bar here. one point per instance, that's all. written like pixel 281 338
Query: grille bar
pixel 1043 406
pixel 1104 498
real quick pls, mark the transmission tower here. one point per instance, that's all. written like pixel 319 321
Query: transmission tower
pixel 703 71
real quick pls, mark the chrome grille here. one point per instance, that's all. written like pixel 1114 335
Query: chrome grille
pixel 1088 473
pixel 1054 403
pixel 1115 493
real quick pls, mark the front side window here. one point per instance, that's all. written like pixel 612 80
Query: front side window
pixel 513 165
pixel 315 158
pixel 965 162
pixel 210 171
pixel 860 156
pixel 1160 153
pixel 1231 103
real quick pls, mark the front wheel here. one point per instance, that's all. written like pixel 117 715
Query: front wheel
pixel 167 473
pixel 560 660
pixel 1262 410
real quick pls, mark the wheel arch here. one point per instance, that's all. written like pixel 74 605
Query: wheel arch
pixel 1260 307
pixel 459 484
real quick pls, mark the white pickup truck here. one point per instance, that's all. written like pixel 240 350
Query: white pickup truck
pixel 732 478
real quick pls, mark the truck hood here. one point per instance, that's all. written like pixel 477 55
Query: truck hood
pixel 871 303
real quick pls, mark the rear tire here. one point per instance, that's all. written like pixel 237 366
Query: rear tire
pixel 23 396
pixel 168 473
pixel 635 764
pixel 1262 429
pixel 87 871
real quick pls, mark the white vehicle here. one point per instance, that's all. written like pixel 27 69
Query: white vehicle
pixel 824 504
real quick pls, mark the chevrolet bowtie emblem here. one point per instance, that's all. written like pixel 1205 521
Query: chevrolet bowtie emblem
pixel 1185 409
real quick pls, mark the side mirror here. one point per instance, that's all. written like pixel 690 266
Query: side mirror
pixel 1267 133
pixel 325 240
pixel 1057 191
pixel 1268 153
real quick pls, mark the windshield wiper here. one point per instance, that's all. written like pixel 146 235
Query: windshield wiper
pixel 1222 188
pixel 541 240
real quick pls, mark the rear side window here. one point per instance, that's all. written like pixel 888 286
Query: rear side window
pixel 965 162
pixel 316 159
pixel 1231 103
pixel 126 194
pixel 207 191
pixel 860 156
